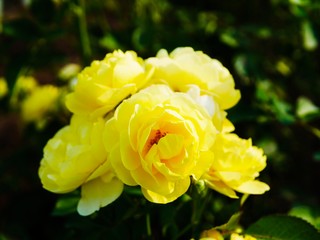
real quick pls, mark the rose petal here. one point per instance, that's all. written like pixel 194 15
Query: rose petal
pixel 98 193
pixel 180 188
pixel 253 187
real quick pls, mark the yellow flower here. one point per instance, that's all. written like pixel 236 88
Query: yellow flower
pixel 104 84
pixel 235 166
pixel 23 87
pixel 208 102
pixel 184 66
pixel 236 236
pixel 3 87
pixel 69 71
pixel 157 139
pixel 26 84
pixel 76 156
pixel 211 234
pixel 40 101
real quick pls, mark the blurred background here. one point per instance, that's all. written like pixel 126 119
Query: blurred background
pixel 270 47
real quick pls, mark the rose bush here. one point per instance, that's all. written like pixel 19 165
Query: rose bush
pixel 156 124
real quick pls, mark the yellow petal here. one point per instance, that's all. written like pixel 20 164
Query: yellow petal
pixel 180 188
pixel 120 170
pixel 170 145
pixel 154 182
pixel 98 193
pixel 253 187
pixel 222 188
pixel 130 158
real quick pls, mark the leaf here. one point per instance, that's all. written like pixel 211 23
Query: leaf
pixel 282 227
pixel 110 42
pixel 22 29
pixel 66 205
pixel 310 214
pixel 310 41
pixel 232 223
pixel 306 109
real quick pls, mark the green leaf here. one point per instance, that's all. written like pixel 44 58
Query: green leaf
pixel 310 214
pixel 282 227
pixel 232 223
pixel 306 109
pixel 66 205
pixel 110 42
pixel 310 41
pixel 22 29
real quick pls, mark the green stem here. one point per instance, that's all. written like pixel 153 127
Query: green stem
pixel 1 15
pixel 84 36
pixel 149 232
pixel 183 231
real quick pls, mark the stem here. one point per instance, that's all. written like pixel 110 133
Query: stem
pixel 1 15
pixel 199 205
pixel 183 231
pixel 84 36
pixel 149 232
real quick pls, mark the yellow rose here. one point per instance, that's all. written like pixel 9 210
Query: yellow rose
pixel 184 66
pixel 208 102
pixel 211 234
pixel 41 100
pixel 76 156
pixel 26 84
pixel 157 139
pixel 106 83
pixel 3 87
pixel 235 166
pixel 23 87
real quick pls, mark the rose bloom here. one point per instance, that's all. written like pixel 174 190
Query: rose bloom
pixel 42 99
pixel 3 87
pixel 104 84
pixel 76 157
pixel 25 84
pixel 235 166
pixel 158 139
pixel 184 66
pixel 22 88
pixel 211 234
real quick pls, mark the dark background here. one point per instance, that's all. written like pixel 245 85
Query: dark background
pixel 270 47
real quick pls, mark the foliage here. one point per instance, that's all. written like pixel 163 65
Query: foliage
pixel 271 49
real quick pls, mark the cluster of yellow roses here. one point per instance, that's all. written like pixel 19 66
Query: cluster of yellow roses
pixel 158 123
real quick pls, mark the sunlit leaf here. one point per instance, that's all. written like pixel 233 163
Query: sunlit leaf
pixel 306 109
pixel 310 41
pixel 110 42
pixel 65 205
pixel 232 223
pixel 281 227
pixel 308 213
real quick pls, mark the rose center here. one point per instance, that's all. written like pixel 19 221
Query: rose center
pixel 154 138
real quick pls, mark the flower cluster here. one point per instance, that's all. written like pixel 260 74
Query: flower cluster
pixel 157 123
